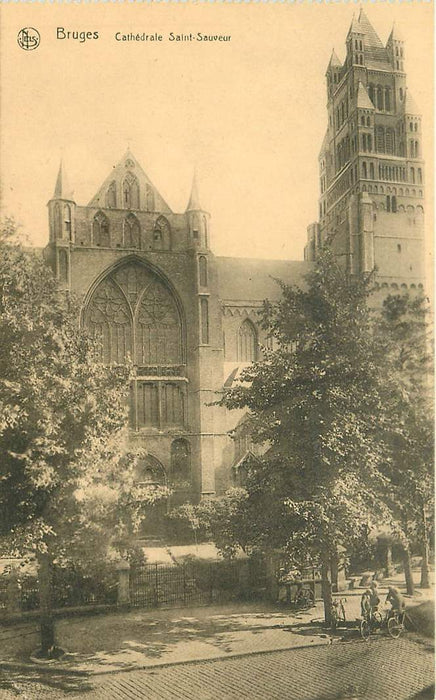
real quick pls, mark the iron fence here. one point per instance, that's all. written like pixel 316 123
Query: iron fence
pixel 199 583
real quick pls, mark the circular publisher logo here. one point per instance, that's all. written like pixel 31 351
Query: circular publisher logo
pixel 28 38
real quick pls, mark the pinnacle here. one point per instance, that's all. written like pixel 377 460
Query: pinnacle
pixel 62 187
pixel 194 200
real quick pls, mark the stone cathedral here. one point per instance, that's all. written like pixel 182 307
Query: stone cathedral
pixel 153 292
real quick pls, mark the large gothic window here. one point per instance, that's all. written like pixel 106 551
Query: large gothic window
pixel 100 230
pixel 130 192
pixel 247 342
pixel 132 231
pixel 130 303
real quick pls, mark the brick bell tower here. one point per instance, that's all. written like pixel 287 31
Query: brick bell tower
pixel 371 205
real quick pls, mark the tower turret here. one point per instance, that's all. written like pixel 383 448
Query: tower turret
pixel 395 49
pixel 333 73
pixel 198 218
pixel 61 208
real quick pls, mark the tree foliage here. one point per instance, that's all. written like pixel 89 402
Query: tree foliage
pixel 65 486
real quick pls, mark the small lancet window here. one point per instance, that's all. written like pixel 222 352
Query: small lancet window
pixel 111 196
pixel 202 266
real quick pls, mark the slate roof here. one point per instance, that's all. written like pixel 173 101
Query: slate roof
pixel 250 279
pixel 410 106
pixel 62 187
pixel 363 99
pixel 194 200
pixel 376 56
pixel 334 61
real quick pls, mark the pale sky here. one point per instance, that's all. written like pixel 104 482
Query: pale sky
pixel 250 114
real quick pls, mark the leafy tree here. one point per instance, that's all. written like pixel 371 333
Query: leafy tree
pixel 66 492
pixel 405 332
pixel 316 402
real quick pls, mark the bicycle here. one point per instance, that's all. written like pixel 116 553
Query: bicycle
pixel 337 612
pixel 304 598
pixel 395 623
pixel 392 622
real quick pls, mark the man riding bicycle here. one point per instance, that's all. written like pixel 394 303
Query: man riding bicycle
pixel 396 600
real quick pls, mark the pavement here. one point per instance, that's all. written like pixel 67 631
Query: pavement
pixel 147 639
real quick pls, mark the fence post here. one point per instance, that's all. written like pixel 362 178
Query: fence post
pixel 123 569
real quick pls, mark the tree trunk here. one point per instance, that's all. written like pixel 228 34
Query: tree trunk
pixel 45 602
pixel 425 580
pixel 334 567
pixel 326 585
pixel 408 570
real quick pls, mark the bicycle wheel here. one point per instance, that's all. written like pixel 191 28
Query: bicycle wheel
pixel 365 630
pixel 395 627
pixel 305 598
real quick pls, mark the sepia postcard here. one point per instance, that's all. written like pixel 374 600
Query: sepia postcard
pixel 216 294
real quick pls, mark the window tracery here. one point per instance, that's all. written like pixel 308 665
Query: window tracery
pixel 133 302
pixel 247 342
pixel 100 230
pixel 132 231
pixel 131 192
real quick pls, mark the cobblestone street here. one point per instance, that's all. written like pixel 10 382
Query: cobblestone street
pixel 378 670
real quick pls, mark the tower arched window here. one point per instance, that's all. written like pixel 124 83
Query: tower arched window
pixel 380 136
pixel 388 203
pixel 401 94
pixel 202 268
pixel 204 320
pixel 111 196
pixel 57 221
pixel 416 149
pixel 67 221
pixel 100 230
pixel 419 176
pixel 394 203
pixel 388 99
pixel 412 175
pixel 389 147
pixel 371 171
pixel 380 102
pixel 368 121
pixel 371 93
pixel 132 231
pixel 180 460
pixel 247 342
pixel 364 170
pixel 130 192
